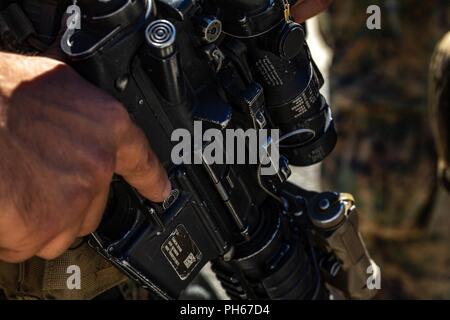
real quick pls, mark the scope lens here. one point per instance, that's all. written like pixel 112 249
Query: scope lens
pixel 296 106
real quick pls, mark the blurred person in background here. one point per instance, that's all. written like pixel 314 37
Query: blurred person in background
pixel 386 156
pixel 439 103
pixel 440 107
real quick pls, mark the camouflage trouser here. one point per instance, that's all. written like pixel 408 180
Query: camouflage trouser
pixel 385 157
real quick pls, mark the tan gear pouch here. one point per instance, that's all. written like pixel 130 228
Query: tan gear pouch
pixel 40 279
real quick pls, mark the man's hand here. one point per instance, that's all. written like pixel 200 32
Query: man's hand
pixel 305 9
pixel 61 140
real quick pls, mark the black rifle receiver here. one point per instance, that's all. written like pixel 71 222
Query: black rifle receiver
pixel 231 65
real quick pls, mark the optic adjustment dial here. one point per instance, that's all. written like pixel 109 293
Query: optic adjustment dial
pixel 211 29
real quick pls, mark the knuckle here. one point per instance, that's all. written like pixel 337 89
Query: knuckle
pixel 53 254
pixel 102 168
pixel 57 246
pixel 89 228
pixel 118 118
pixel 97 169
pixel 46 228
pixel 15 257
pixel 79 195
pixel 142 164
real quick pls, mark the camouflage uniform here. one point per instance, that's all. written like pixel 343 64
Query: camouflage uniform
pixel 379 94
pixel 386 155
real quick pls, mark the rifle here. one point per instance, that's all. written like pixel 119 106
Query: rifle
pixel 227 64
